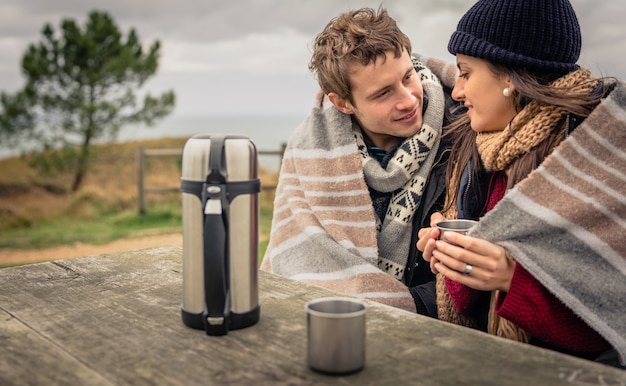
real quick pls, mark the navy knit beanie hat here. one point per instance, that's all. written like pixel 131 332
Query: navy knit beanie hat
pixel 541 35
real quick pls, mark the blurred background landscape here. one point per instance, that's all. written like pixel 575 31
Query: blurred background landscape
pixel 236 67
pixel 37 217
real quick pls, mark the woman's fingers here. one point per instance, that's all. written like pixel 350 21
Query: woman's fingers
pixel 470 280
pixel 435 218
pixel 450 256
pixel 483 271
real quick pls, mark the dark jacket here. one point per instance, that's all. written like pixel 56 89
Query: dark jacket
pixel 417 274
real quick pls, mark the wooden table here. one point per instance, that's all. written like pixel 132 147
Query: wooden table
pixel 115 320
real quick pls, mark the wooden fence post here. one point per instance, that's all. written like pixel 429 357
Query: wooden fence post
pixel 141 193
pixel 142 153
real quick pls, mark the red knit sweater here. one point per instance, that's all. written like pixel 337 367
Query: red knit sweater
pixel 530 306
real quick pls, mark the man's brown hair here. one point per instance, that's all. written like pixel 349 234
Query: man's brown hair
pixel 354 37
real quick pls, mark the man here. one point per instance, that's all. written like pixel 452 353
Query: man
pixel 364 171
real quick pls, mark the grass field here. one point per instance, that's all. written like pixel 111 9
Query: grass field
pixel 37 211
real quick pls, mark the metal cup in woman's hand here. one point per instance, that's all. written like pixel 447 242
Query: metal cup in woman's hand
pixel 456 226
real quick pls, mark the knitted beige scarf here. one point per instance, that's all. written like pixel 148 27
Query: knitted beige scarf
pixel 498 151
pixel 530 127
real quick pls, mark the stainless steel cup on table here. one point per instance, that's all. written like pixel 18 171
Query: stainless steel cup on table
pixel 336 335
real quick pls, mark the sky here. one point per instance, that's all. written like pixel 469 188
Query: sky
pixel 250 57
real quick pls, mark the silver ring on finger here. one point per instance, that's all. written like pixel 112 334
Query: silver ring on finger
pixel 468 269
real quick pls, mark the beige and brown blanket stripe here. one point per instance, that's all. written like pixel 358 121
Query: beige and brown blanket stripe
pixel 566 222
pixel 324 230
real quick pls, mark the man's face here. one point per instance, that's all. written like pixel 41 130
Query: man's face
pixel 387 99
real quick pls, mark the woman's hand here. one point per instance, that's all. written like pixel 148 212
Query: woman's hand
pixel 427 238
pixel 476 263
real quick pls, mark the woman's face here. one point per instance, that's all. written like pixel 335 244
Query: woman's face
pixel 480 89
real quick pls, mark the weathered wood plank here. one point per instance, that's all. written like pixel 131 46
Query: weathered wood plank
pixel 28 358
pixel 115 319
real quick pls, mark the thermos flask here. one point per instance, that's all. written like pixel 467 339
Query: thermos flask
pixel 220 202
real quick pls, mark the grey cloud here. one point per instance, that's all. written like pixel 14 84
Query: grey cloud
pixel 428 23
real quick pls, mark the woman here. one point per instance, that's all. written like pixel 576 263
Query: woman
pixel 543 265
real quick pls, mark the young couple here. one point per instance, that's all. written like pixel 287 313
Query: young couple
pixel 534 150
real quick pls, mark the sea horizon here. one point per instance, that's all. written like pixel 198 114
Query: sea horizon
pixel 268 133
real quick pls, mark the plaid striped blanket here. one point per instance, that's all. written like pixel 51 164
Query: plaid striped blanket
pixel 566 222
pixel 324 230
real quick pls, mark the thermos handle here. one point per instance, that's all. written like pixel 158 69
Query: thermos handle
pixel 216 274
pixel 216 254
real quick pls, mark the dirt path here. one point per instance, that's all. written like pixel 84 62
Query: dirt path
pixel 27 256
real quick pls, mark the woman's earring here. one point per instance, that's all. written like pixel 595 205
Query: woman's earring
pixel 506 92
